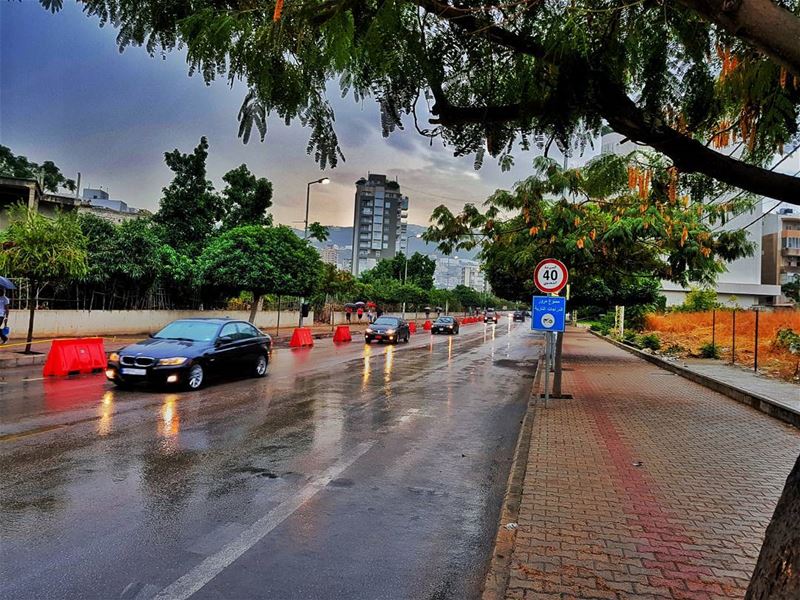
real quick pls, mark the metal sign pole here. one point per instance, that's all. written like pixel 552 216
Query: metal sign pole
pixel 546 368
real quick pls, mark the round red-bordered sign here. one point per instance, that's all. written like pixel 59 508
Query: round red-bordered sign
pixel 550 276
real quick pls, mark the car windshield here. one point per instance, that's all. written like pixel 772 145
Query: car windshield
pixel 190 331
pixel 444 320
pixel 391 322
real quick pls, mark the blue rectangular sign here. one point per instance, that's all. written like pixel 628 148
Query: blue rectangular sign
pixel 549 313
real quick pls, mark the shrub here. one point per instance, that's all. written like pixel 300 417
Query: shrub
pixel 675 349
pixel 699 299
pixel 651 340
pixel 630 336
pixel 786 338
pixel 709 350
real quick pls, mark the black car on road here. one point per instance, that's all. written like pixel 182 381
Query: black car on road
pixel 187 351
pixel 445 325
pixel 490 316
pixel 519 315
pixel 388 329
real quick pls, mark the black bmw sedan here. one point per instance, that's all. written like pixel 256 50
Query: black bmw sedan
pixel 186 351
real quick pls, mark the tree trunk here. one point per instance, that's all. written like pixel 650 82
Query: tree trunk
pixel 32 309
pixel 777 573
pixel 256 305
pixel 557 368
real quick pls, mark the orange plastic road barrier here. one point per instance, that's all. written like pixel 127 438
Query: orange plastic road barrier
pixel 301 337
pixel 427 326
pixel 81 355
pixel 342 334
pixel 412 327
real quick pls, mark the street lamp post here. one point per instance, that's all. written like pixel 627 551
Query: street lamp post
pixel 324 181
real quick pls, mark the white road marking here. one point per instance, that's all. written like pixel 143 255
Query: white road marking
pixel 194 580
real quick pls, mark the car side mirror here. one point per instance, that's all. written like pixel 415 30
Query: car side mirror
pixel 223 340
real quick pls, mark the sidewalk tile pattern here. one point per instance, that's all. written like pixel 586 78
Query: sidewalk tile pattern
pixel 645 485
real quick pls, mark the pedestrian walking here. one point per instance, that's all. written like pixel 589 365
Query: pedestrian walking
pixel 5 304
pixel 360 313
pixel 348 314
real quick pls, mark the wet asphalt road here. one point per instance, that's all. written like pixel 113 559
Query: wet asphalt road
pixel 348 472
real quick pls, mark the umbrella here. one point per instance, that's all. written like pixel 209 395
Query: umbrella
pixel 361 304
pixel 350 305
pixel 6 283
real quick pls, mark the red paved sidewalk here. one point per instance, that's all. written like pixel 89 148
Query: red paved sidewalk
pixel 687 523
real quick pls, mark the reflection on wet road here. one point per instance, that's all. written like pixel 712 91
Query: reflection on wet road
pixel 349 472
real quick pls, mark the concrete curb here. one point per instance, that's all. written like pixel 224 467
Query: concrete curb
pixel 761 403
pixel 496 581
pixel 24 360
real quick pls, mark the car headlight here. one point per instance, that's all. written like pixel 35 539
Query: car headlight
pixel 390 331
pixel 172 362
pixel 114 357
pixel 369 330
pixel 449 326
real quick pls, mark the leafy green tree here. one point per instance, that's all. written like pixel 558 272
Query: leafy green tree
pixel 247 198
pixel 44 251
pixel 791 289
pixel 190 209
pixel 261 260
pixel 19 166
pixel 600 227
pixel 420 270
pixel 468 297
pixel 682 78
pixel 318 232
pixel 177 273
pixel 101 241
pixel 135 261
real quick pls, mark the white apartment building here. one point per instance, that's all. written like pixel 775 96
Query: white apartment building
pixel 380 227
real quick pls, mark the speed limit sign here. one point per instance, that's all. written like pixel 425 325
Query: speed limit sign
pixel 550 275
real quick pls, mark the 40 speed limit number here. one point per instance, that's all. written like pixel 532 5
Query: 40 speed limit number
pixel 550 276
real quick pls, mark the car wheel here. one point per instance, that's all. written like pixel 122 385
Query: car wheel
pixel 260 368
pixel 196 376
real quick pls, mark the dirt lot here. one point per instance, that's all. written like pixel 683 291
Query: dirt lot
pixel 692 330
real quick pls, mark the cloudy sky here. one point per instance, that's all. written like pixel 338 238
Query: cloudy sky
pixel 68 95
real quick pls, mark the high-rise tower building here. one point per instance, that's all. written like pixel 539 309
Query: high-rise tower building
pixel 379 222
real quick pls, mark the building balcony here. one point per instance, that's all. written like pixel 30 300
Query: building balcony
pixel 790 251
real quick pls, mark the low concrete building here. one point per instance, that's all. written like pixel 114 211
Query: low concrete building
pixel 17 190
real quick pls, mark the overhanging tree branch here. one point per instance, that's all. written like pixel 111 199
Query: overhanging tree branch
pixel 622 114
pixel 768 27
